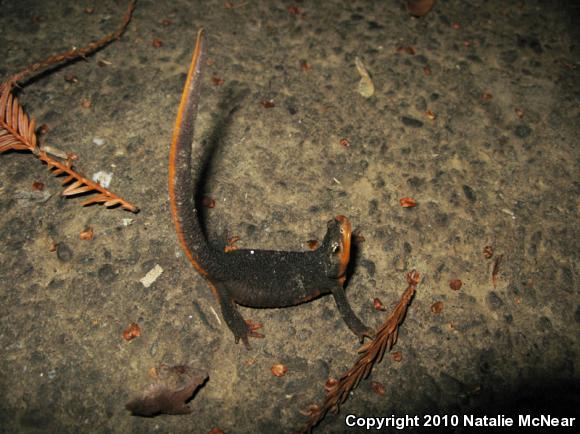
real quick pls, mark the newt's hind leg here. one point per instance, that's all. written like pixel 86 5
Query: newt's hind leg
pixel 350 318
pixel 235 321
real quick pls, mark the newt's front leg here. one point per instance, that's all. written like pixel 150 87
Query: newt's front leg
pixel 350 318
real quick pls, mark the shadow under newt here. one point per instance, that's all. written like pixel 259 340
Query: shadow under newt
pixel 253 278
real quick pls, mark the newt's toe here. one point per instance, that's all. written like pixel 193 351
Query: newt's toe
pixel 248 330
pixel 368 332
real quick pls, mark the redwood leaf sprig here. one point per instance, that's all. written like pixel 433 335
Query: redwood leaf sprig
pixel 18 130
pixel 372 352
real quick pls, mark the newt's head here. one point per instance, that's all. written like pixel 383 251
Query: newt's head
pixel 336 247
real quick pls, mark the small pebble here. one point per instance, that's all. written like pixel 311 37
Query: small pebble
pixel 469 193
pixel 411 122
pixel 493 301
pixel 64 252
pixel 151 276
pixel 103 178
pixel 523 131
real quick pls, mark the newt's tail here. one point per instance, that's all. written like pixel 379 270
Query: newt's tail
pixel 181 179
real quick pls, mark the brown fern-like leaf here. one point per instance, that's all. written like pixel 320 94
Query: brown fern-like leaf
pixel 17 132
pixel 370 353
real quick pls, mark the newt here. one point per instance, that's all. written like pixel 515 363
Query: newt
pixel 248 277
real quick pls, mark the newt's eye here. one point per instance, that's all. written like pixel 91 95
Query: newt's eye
pixel 335 248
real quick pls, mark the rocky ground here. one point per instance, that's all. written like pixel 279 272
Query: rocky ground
pixel 474 115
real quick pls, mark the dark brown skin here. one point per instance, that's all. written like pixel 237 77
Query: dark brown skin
pixel 253 278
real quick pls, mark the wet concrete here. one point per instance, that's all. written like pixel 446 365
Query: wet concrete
pixel 497 166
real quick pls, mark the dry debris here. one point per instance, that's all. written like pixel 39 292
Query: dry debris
pixel 173 388
pixel 370 353
pixel 365 86
pixel 131 332
pixel 18 130
pixel 419 8
pixel 455 284
pixel 279 370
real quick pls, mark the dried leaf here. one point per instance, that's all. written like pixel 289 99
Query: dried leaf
pixel 488 252
pixel 344 142
pixel 378 388
pixel 378 304
pixel 305 66
pixel 365 86
pixel 268 103
pixel 455 284
pixel 407 202
pixel 408 49
pixel 173 388
pixel 419 8
pixel 279 370
pixel 437 307
pixel 53 246
pixel 131 332
pixel 88 234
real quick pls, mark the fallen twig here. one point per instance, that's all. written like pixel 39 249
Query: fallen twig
pixel 372 352
pixel 18 130
pixel 75 52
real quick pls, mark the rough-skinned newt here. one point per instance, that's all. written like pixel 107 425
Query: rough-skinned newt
pixel 253 278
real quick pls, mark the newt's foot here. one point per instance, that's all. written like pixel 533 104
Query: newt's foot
pixel 350 318
pixel 245 330
pixel 231 244
pixel 366 332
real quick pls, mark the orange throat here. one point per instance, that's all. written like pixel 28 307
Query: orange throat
pixel 346 235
